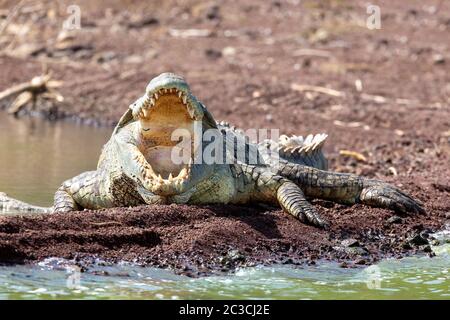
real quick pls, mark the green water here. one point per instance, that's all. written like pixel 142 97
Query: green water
pixel 408 278
pixel 40 155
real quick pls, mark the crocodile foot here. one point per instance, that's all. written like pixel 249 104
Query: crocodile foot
pixel 383 195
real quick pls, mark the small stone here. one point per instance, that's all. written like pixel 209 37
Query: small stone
pixel 232 256
pixel 138 23
pixel 256 94
pixel 356 251
pixel 361 262
pixel 105 56
pixel 438 59
pixel 418 240
pixel 407 246
pixel 229 51
pixel 213 13
pixel 350 243
pixel 394 219
pixel 213 53
pixel 134 59
pixel 435 242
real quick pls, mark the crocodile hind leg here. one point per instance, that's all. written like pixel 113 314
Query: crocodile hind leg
pixel 349 188
pixel 85 191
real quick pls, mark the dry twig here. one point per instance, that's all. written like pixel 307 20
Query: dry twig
pixel 324 90
pixel 313 53
pixel 353 154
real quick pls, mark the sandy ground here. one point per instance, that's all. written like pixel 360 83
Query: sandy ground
pixel 389 101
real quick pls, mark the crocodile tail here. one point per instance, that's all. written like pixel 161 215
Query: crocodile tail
pixel 306 151
pixel 10 205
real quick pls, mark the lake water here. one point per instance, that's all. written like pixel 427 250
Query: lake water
pixel 36 156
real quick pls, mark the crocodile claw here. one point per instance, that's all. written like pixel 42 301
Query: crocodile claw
pixel 384 195
pixel 292 200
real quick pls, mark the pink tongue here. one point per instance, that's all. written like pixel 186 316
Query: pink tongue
pixel 160 160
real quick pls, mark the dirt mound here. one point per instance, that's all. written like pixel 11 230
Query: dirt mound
pixel 200 240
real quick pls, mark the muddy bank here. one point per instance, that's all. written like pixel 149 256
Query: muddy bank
pixel 203 240
pixel 245 61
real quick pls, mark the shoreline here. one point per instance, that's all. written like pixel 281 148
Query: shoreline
pixel 206 240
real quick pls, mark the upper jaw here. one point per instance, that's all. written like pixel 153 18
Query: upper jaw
pixel 192 105
pixel 166 80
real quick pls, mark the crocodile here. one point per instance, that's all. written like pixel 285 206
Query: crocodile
pixel 137 165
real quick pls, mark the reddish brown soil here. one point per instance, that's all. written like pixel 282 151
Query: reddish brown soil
pixel 199 240
pixel 243 71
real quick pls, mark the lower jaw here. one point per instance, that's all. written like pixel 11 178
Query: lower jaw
pixel 166 189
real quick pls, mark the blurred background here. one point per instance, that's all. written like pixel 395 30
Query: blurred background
pixel 374 76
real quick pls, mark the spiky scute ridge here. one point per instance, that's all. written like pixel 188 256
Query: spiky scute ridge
pixel 304 151
pixel 298 144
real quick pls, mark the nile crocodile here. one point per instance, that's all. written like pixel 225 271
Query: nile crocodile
pixel 136 165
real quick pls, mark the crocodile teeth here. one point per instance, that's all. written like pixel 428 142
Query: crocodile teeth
pixel 183 173
pixel 156 96
pixel 152 102
pixel 170 177
pixel 180 94
pixel 184 99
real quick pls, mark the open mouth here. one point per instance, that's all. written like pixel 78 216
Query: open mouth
pixel 166 139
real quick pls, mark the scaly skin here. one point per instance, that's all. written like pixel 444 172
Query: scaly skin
pixel 136 168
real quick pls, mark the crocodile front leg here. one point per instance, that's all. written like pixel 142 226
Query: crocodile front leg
pixel 349 188
pixel 85 191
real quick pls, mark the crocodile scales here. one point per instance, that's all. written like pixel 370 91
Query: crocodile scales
pixel 135 166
